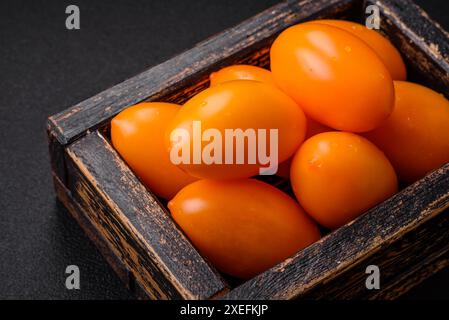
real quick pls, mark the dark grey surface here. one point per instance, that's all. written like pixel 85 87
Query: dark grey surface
pixel 45 68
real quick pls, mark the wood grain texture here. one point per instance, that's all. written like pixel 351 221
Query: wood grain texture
pixel 347 247
pixel 137 227
pixel 240 44
pixel 407 235
pixel 57 157
pixel 422 42
pixel 400 263
pixel 413 277
pixel 64 195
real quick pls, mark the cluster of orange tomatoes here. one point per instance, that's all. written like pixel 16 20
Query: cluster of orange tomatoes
pixel 349 127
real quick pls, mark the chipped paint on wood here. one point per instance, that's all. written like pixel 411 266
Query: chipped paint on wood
pixel 407 235
pixel 134 222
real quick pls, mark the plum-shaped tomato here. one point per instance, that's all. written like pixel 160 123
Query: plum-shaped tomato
pixel 242 226
pixel 138 133
pixel 389 55
pixel 416 136
pixel 241 72
pixel 248 72
pixel 235 129
pixel 335 77
pixel 313 128
pixel 336 176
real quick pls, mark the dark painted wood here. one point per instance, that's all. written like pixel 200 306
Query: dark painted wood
pixel 423 43
pixel 136 226
pixel 407 236
pixel 401 264
pixel 424 46
pixel 414 276
pixel 239 44
pixel 57 157
pixel 94 234
pixel 346 249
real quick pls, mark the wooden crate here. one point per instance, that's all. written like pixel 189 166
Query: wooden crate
pixel 406 236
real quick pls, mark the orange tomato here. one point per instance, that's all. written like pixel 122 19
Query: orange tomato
pixel 247 72
pixel 242 226
pixel 236 105
pixel 389 55
pixel 137 133
pixel 313 128
pixel 416 136
pixel 241 72
pixel 335 77
pixel 336 176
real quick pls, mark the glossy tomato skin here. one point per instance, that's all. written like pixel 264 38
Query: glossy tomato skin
pixel 242 226
pixel 241 72
pixel 248 72
pixel 416 136
pixel 313 128
pixel 389 55
pixel 336 78
pixel 244 105
pixel 336 176
pixel 138 134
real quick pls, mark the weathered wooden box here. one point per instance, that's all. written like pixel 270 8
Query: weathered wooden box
pixel 407 236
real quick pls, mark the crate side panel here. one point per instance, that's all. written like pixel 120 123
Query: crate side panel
pixel 122 240
pixel 345 247
pixel 423 43
pixel 64 195
pixel 399 264
pixel 57 157
pixel 138 228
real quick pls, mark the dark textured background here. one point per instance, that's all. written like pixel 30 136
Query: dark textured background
pixel 45 68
